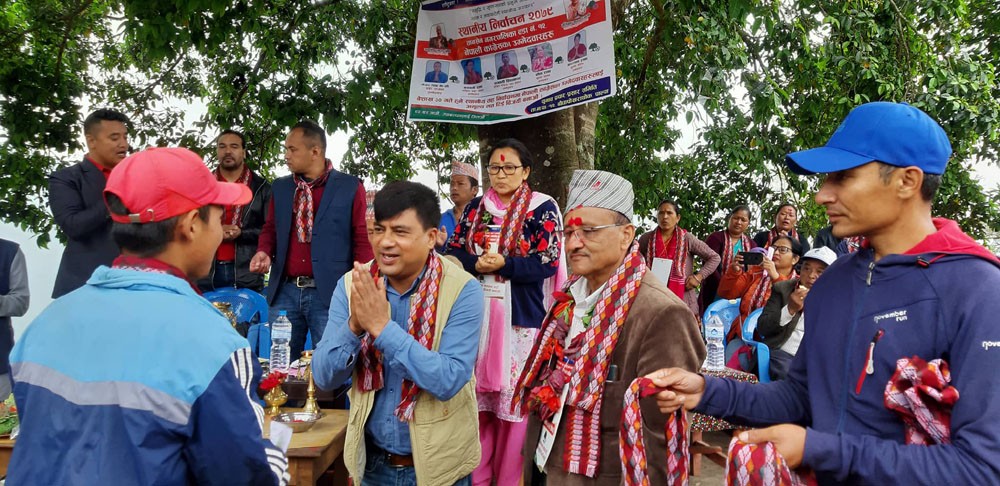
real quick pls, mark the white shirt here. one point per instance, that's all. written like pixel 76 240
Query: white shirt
pixel 584 304
pixel 791 346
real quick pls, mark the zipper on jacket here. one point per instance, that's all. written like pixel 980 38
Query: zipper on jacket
pixel 845 382
pixel 871 268
pixel 869 368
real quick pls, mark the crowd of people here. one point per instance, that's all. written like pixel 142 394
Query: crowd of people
pixel 496 342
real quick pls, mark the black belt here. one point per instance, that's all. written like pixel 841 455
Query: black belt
pixel 302 282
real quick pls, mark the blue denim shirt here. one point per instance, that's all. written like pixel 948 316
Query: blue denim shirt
pixel 442 373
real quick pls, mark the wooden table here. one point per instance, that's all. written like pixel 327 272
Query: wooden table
pixel 310 454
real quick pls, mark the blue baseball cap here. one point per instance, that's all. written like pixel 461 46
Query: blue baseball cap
pixel 894 133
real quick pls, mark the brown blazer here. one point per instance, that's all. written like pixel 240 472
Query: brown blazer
pixel 659 332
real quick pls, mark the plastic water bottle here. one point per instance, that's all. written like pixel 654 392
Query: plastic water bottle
pixel 281 334
pixel 714 332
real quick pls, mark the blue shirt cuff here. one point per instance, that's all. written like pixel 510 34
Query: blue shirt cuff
pixel 392 339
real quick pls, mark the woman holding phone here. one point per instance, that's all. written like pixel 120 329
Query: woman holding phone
pixel 753 285
pixel 728 243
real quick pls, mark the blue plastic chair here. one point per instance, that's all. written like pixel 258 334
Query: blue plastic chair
pixel 760 349
pixel 249 307
pixel 728 311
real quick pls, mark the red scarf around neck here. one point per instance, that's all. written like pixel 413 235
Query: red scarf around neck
pixel 512 227
pixel 727 250
pixel 422 326
pixel 775 234
pixel 304 203
pixel 589 355
pixel 232 213
pixel 677 250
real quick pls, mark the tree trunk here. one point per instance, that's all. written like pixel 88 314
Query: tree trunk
pixel 561 142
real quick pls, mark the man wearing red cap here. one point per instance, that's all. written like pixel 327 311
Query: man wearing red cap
pixel 134 378
pixel 77 200
pixel 315 231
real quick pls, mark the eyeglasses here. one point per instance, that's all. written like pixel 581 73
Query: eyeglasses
pixel 507 169
pixel 585 233
pixel 782 249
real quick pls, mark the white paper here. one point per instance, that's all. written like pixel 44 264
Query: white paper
pixel 549 429
pixel 661 269
pixel 280 435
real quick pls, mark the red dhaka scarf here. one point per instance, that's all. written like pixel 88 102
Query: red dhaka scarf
pixel 151 265
pixel 775 234
pixel 919 392
pixel 423 317
pixel 232 213
pixel 728 247
pixel 632 448
pixel 304 203
pixel 512 227
pixel 677 250
pixel 586 363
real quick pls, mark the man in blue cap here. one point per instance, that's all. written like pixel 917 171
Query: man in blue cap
pixel 918 288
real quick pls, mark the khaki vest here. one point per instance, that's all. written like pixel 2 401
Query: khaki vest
pixel 444 435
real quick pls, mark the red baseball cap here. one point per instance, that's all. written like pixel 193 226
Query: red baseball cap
pixel 162 182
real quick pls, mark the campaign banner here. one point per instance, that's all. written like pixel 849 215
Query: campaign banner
pixel 489 61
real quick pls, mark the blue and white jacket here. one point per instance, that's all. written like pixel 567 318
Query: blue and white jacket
pixel 136 379
pixel 939 300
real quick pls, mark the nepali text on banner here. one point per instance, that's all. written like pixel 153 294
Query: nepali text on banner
pixel 487 61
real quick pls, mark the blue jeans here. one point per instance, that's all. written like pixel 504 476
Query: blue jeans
pixel 378 473
pixel 225 275
pixel 306 313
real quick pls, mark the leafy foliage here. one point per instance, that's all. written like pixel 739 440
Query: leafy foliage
pixel 753 79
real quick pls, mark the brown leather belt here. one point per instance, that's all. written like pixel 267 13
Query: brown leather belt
pixel 394 460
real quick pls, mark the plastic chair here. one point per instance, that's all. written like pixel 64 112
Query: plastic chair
pixel 249 307
pixel 760 349
pixel 727 310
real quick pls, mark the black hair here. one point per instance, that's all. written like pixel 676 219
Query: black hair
pixel 677 209
pixel 522 151
pixel 399 196
pixel 312 132
pixel 230 131
pixel 472 181
pixel 786 205
pixel 144 239
pixel 928 188
pixel 741 207
pixel 794 243
pixel 577 36
pixel 94 119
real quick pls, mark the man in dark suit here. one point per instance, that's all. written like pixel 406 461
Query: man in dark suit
pixel 241 224
pixel 76 196
pixel 314 232
pixel 781 325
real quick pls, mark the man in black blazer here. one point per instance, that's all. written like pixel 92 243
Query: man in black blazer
pixel 781 325
pixel 76 196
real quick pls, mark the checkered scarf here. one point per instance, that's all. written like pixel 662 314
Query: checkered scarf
pixel 423 317
pixel 304 203
pixel 590 353
pixel 762 465
pixel 763 290
pixel 232 213
pixel 727 250
pixel 920 394
pixel 512 227
pixel 775 234
pixel 632 449
pixel 678 271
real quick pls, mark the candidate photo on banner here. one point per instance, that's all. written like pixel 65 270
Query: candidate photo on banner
pixel 437 72
pixel 506 65
pixel 472 70
pixel 574 9
pixel 577 46
pixel 541 57
pixel 438 39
